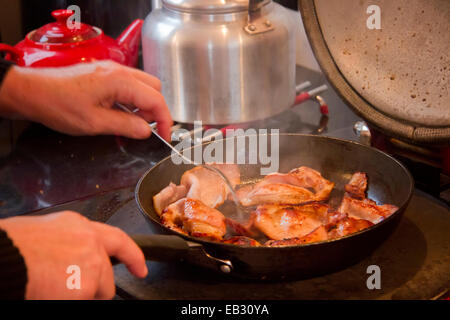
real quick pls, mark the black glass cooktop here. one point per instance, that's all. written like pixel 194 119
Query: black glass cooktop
pixel 46 172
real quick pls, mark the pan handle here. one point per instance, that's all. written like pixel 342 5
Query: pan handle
pixel 171 248
pixel 160 247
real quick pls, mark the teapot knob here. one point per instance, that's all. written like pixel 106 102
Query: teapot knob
pixel 62 15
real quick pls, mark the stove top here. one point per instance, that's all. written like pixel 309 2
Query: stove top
pixel 413 261
pixel 48 172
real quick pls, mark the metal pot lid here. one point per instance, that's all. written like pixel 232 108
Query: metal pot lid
pixel 396 77
pixel 208 6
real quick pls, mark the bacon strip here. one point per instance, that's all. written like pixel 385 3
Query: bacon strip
pixel 193 217
pixel 291 188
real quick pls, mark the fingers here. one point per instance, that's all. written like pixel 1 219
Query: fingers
pixel 117 244
pixel 164 128
pixel 108 121
pixel 146 78
pixel 106 287
pixel 140 75
pixel 149 101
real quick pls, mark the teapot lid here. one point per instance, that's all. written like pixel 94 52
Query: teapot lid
pixel 60 32
pixel 209 6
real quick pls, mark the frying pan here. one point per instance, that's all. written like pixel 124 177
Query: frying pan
pixel 389 182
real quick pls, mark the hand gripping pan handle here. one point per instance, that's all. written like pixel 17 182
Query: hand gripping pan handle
pixel 160 247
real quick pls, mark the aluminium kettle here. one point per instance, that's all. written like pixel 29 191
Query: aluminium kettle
pixel 221 61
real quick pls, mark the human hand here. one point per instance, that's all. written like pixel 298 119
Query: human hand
pixel 52 243
pixel 77 100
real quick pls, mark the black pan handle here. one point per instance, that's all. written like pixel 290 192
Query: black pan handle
pixel 160 247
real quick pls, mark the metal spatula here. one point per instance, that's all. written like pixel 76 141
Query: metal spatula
pixel 239 207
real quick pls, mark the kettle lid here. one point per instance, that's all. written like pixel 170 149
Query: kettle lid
pixel 61 32
pixel 208 6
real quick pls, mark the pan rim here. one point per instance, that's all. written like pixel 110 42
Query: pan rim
pixel 400 209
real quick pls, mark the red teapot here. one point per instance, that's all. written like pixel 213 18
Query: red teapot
pixel 57 44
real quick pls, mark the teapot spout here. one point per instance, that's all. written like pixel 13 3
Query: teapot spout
pixel 130 40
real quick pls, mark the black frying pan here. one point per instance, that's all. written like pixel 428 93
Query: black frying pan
pixel 389 182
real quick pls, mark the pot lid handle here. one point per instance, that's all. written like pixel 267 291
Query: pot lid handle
pixel 62 15
pixel 60 32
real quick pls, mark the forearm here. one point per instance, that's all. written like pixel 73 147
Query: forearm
pixel 13 271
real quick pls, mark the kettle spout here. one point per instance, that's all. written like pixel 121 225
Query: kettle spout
pixel 130 40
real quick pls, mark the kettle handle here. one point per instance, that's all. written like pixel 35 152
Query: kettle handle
pixel 254 11
pixel 256 23
pixel 254 5
pixel 15 53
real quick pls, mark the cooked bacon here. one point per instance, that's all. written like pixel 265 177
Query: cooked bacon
pixel 193 217
pixel 335 217
pixel 346 226
pixel 291 188
pixel 357 185
pixel 167 196
pixel 275 193
pixel 207 186
pixel 241 229
pixel 289 209
pixel 365 209
pixel 172 216
pixel 339 228
pixel 285 222
pixel 319 234
pixel 309 178
pixel 356 205
pixel 242 241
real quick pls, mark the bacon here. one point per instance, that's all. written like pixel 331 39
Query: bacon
pixel 241 229
pixel 285 222
pixel 356 205
pixel 309 178
pixel 357 185
pixel 193 217
pixel 365 209
pixel 319 234
pixel 291 188
pixel 167 196
pixel 209 187
pixel 172 216
pixel 275 193
pixel 288 210
pixel 201 184
pixel 346 226
pixel 242 241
